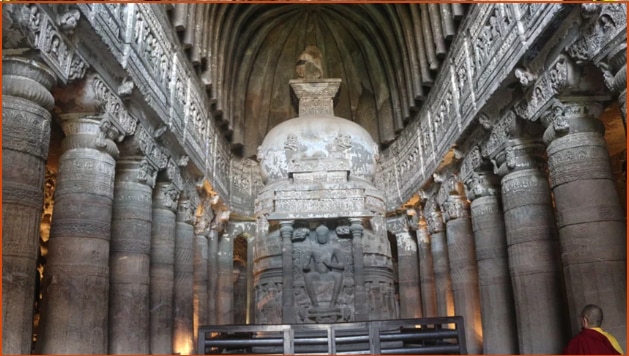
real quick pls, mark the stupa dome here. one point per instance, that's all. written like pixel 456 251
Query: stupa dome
pixel 317 143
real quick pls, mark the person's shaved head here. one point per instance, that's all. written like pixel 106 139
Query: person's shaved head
pixel 593 314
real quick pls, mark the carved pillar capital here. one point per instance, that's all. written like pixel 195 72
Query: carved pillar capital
pixel 482 184
pixel 220 221
pixel 286 229
pixel 91 131
pixel 203 223
pixel 435 222
pixel 567 117
pixel 456 207
pixel 28 79
pixel 93 96
pixel 142 144
pixel 397 224
pixel 423 236
pixel 186 208
pixel 166 196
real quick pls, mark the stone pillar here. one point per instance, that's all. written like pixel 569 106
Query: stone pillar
pixel 441 264
pixel 408 278
pixel 500 334
pixel 408 269
pixel 130 257
pixel 212 266
pixel 76 279
pixel 225 285
pixel 532 248
pixel 200 274
pixel 288 295
pixel 26 101
pixel 463 269
pixel 360 295
pixel 426 271
pixel 182 296
pixel 590 219
pixel 162 275
pixel 251 307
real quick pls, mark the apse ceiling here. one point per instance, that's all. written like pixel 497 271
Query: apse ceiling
pixel 387 56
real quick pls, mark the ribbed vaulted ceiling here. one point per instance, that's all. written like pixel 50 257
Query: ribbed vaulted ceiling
pixel 386 55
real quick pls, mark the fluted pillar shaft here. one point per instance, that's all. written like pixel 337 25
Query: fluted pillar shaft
pixel 494 281
pixel 26 101
pixel 76 279
pixel 533 251
pixel 590 219
pixel 441 264
pixel 130 257
pixel 463 270
pixel 426 272
pixel 162 274
pixel 183 339
pixel 408 276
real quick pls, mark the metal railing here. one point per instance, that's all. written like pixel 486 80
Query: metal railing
pixel 443 335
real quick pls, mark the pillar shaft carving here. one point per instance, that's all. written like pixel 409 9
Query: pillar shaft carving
pixel 212 266
pixel 225 285
pixel 531 236
pixel 493 268
pixel 216 230
pixel 590 218
pixel 78 250
pixel 408 269
pixel 136 175
pixel 130 255
pixel 202 229
pixel 360 298
pixel 183 268
pixel 426 271
pixel 462 259
pixel 440 258
pixel 165 198
pixel 26 99
pixel 288 299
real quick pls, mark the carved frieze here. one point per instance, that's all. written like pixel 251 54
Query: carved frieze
pixel 472 161
pixel 50 35
pixel 220 173
pixel 603 23
pixel 150 149
pixel 558 77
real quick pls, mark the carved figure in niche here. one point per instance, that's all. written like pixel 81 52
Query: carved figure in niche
pixel 309 64
pixel 324 260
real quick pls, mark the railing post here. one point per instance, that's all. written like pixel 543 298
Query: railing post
pixel 460 328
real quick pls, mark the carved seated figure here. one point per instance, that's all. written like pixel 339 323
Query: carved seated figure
pixel 325 260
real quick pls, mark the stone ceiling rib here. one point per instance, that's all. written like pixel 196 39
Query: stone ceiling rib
pixel 381 91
